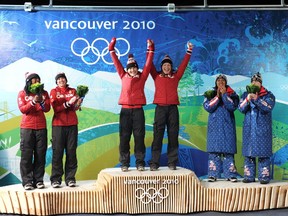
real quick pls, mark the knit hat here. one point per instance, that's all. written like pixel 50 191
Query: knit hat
pixel 30 75
pixel 131 62
pixel 221 76
pixel 59 75
pixel 166 59
pixel 256 77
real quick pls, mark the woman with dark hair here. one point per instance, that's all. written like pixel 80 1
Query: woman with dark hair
pixel 33 132
pixel 166 112
pixel 257 104
pixel 65 103
pixel 132 99
pixel 221 102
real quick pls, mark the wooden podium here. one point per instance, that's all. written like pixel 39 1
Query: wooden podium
pixel 134 192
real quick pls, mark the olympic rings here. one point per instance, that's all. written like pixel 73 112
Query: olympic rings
pixel 95 50
pixel 151 194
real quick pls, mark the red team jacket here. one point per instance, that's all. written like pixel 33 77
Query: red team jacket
pixel 63 114
pixel 166 87
pixel 132 92
pixel 33 115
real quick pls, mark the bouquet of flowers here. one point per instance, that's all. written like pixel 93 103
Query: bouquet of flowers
pixel 210 94
pixel 252 89
pixel 82 90
pixel 36 88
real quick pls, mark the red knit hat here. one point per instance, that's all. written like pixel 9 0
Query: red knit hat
pixel 30 75
pixel 166 59
pixel 131 62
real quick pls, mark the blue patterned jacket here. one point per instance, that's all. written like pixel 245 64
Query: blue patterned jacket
pixel 257 125
pixel 221 130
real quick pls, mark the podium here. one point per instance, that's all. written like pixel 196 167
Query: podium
pixel 134 192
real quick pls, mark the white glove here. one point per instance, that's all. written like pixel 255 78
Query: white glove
pixel 72 100
pixel 189 46
pixel 150 45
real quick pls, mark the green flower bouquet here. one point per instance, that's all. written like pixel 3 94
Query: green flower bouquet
pixel 210 94
pixel 82 90
pixel 36 88
pixel 252 89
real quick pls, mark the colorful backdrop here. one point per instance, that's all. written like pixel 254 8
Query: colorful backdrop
pixel 236 43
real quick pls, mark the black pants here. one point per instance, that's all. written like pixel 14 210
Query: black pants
pixel 64 138
pixel 165 116
pixel 33 145
pixel 132 121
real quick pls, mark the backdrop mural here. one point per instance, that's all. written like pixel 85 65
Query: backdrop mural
pixel 236 43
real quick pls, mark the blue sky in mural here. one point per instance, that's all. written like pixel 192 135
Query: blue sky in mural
pixel 227 42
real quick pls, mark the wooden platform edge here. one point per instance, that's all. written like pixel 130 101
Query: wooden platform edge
pixel 164 191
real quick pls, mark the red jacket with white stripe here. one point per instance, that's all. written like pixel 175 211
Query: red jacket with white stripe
pixel 64 114
pixel 33 114
pixel 166 87
pixel 132 92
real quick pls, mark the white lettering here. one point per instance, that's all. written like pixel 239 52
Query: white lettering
pixel 65 24
pixel 72 26
pixel 142 181
pixel 47 24
pixel 152 181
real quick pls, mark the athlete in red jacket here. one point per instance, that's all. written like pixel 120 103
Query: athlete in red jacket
pixel 33 133
pixel 166 111
pixel 65 103
pixel 132 98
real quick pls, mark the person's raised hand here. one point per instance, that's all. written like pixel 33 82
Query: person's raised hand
pixel 253 96
pixel 150 45
pixel 218 93
pixel 249 97
pixel 112 44
pixel 190 46
pixel 223 90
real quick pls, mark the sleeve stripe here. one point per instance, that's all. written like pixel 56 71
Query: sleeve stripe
pixel 213 101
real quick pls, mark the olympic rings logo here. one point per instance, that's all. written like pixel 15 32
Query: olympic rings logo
pixel 151 194
pixel 91 53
